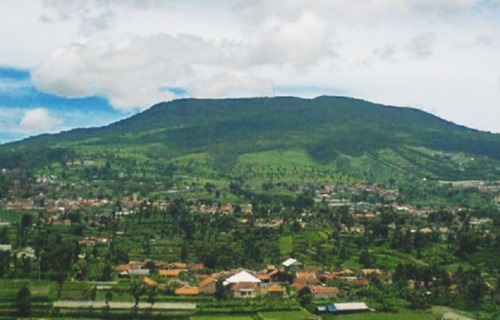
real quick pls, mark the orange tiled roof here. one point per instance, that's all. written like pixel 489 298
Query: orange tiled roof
pixel 366 272
pixel 263 276
pixel 277 288
pixel 149 281
pixel 245 286
pixel 274 272
pixel 197 267
pixel 362 282
pixel 187 291
pixel 206 282
pixel 324 290
pixel 179 265
pixel 169 273
pixel 298 285
pixel 121 268
pixel 304 275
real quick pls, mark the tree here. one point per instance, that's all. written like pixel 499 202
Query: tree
pixel 221 291
pixel 184 253
pixel 136 290
pixel 4 236
pixel 367 259
pixel 93 293
pixel 107 273
pixel 152 293
pixel 23 301
pixel 305 296
pixel 108 296
pixel 343 253
pixel 4 263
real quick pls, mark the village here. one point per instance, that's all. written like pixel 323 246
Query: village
pixel 328 248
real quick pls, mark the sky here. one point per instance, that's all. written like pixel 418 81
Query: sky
pixel 75 63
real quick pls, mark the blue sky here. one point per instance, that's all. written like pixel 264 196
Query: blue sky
pixel 74 63
pixel 18 97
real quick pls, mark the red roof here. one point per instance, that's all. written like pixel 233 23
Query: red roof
pixel 245 286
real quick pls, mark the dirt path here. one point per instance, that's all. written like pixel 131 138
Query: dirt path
pixel 66 304
pixel 454 316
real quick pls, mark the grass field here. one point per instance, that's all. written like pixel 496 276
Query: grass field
pixel 385 316
pixel 10 216
pixel 224 317
pixel 287 315
pixel 43 292
pixel 286 245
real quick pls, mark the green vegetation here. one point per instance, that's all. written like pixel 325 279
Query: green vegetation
pixel 289 315
pixel 350 189
pixel 387 316
pixel 329 139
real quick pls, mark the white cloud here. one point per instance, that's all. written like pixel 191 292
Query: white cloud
pixel 232 85
pixel 130 71
pixel 420 46
pixel 38 120
pixel 437 54
pixel 301 41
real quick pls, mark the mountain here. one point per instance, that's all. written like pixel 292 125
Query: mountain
pixel 335 135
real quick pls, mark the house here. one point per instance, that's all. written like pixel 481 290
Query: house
pixel 5 247
pixel 178 265
pixel 245 290
pixel 304 279
pixel 264 278
pixel 134 272
pixel 121 268
pixel 149 282
pixel 425 230
pixel 27 252
pixel 208 285
pixel 362 282
pixel 350 307
pixel 292 264
pixel 242 276
pixel 274 275
pixel 319 291
pixel 340 308
pixel 187 291
pixel 196 267
pixel 369 272
pixel 167 273
pixel 243 284
pixel 276 291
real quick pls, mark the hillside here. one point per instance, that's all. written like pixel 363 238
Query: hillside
pixel 335 136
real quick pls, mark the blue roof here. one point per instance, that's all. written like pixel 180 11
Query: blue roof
pixel 331 308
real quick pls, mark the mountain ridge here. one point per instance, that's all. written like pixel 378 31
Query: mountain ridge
pixel 330 130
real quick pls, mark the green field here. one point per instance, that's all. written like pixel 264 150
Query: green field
pixel 288 315
pixel 223 317
pixel 286 245
pixel 385 316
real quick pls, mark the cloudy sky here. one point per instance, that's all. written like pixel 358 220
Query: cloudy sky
pixel 77 63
